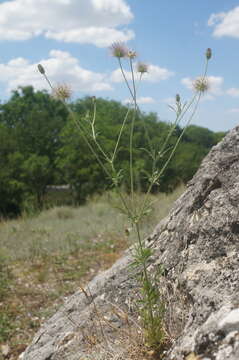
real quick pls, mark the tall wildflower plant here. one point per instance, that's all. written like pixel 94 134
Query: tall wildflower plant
pixel 151 307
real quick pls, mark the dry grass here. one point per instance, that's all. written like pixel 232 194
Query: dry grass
pixel 46 257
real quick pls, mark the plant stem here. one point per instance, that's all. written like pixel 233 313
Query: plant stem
pixel 170 156
pixel 119 136
pixel 131 138
pixel 81 129
pixel 125 79
pixel 145 272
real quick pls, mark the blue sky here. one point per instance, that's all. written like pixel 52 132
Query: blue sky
pixel 71 38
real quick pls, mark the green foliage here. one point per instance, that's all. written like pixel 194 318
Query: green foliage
pixel 200 136
pixel 11 185
pixel 152 311
pixel 30 125
pixel 36 119
pixel 39 146
pixel 78 165
pixel 37 174
pixel 83 172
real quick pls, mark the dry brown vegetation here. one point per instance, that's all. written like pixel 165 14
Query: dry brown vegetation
pixel 47 257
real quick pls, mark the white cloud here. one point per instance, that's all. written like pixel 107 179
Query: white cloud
pixel 155 74
pixel 235 110
pixel 215 86
pixel 141 100
pixel 117 77
pixel 60 67
pixel 225 24
pixel 234 92
pixel 82 21
pixel 169 101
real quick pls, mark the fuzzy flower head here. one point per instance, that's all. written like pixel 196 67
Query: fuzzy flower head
pixel 119 50
pixel 201 85
pixel 132 54
pixel 62 92
pixel 142 68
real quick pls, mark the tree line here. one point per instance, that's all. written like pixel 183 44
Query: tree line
pixel 40 146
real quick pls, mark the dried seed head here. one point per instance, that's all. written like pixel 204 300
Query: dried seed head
pixel 62 92
pixel 119 50
pixel 41 69
pixel 177 97
pixel 209 54
pixel 201 84
pixel 132 54
pixel 142 68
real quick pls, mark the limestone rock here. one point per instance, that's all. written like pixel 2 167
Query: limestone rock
pixel 198 245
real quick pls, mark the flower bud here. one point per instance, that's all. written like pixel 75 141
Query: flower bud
pixel 132 54
pixel 209 54
pixel 41 69
pixel 142 68
pixel 177 98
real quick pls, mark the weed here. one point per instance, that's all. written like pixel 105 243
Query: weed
pixel 5 276
pixel 151 304
pixel 6 326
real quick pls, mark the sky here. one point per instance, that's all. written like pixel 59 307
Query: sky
pixel 72 39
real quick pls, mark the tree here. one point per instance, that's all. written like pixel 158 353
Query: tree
pixel 200 136
pixel 40 146
pixel 36 175
pixel 35 121
pixel 11 184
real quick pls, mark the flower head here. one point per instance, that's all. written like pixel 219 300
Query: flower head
pixel 142 68
pixel 119 50
pixel 209 54
pixel 132 54
pixel 62 92
pixel 201 84
pixel 41 69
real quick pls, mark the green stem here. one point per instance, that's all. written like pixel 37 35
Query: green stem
pixel 93 121
pixel 170 156
pixel 125 79
pixel 131 139
pixel 145 273
pixel 81 129
pixel 119 136
pixel 178 119
pixel 94 135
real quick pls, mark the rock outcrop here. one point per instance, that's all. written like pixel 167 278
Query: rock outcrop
pixel 198 246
